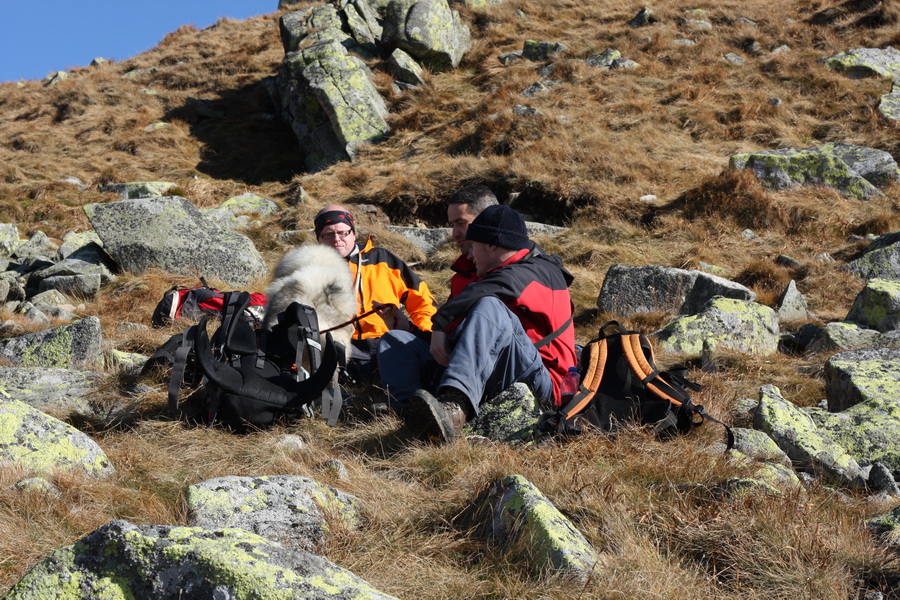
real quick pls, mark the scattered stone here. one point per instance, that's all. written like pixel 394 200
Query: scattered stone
pixel 520 110
pixel 734 59
pixel 337 469
pixel 538 51
pixel 52 390
pixel 697 24
pixel 824 257
pixel 889 106
pixel 687 43
pixel 787 261
pixel 174 563
pixel 286 508
pixel 55 78
pixel 792 304
pixel 841 335
pixel 36 485
pixel 539 87
pixel 781 49
pixel 775 102
pixel 866 62
pixel 648 198
pixel 508 58
pixel 425 239
pixel 881 480
pixel 404 68
pixel 758 445
pixel 643 18
pixel 604 60
pixel 547 70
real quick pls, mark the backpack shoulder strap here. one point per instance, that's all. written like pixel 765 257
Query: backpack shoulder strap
pixel 234 334
pixel 639 353
pixel 188 338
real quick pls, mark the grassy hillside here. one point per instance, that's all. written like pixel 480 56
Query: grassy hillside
pixel 603 140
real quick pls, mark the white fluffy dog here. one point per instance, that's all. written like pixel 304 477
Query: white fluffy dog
pixel 319 277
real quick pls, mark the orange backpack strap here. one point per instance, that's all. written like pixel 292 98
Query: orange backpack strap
pixel 593 361
pixel 634 346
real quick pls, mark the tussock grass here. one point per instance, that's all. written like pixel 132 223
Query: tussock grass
pixel 602 141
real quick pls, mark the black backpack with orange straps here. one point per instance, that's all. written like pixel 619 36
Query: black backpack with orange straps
pixel 620 383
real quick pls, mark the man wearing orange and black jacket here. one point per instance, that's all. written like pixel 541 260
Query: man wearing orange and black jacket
pixel 380 278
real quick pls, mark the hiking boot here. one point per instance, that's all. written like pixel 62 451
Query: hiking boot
pixel 433 420
pixel 456 409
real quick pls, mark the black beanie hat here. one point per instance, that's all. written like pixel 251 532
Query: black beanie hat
pixel 500 226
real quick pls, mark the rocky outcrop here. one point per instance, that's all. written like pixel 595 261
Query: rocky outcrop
pixel 169 233
pixel 325 93
pixel 428 30
pixel 122 560
pixel 628 290
pixel 798 435
pixel 723 323
pixel 855 171
pixel 40 444
pixel 290 509
pixel 881 259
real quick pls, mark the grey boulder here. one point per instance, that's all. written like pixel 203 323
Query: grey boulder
pixel 76 345
pixel 169 233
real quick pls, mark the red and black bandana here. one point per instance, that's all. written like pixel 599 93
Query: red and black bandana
pixel 333 217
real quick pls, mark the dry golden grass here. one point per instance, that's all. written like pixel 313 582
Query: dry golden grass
pixel 602 141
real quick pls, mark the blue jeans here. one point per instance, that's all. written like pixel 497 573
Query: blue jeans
pixel 490 352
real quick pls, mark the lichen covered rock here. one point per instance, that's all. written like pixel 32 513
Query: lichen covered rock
pixel 121 560
pixel 41 444
pixel 855 171
pixel 76 345
pixel 428 30
pixel 866 62
pixel 880 260
pixel 516 512
pixel 741 326
pixel 510 417
pixel 50 389
pixel 868 431
pixel 797 434
pixel 841 335
pixel 877 306
pixel 290 509
pixel 861 375
pixel 138 189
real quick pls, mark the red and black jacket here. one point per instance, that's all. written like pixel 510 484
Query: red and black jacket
pixel 464 273
pixel 535 287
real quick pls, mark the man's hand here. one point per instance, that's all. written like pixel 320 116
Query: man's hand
pixel 393 316
pixel 440 349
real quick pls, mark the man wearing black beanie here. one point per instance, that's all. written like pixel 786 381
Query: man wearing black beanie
pixel 513 324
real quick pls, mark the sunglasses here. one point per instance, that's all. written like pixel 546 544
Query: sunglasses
pixel 332 235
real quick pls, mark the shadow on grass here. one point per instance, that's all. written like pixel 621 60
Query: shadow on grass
pixel 242 136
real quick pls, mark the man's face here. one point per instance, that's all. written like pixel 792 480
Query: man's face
pixel 485 256
pixel 459 217
pixel 339 236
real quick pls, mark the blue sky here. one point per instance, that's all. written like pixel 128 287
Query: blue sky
pixel 39 37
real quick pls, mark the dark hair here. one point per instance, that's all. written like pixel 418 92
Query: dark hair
pixel 477 197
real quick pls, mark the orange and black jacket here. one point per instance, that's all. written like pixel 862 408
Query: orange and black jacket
pixel 380 276
pixel 535 287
